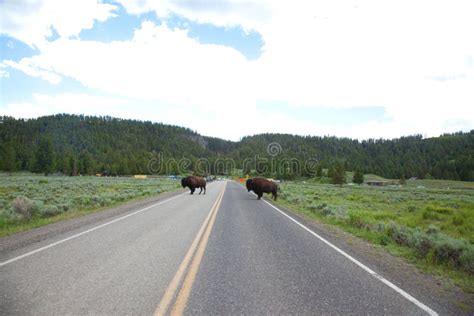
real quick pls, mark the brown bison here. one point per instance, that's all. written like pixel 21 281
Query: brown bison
pixel 261 185
pixel 193 182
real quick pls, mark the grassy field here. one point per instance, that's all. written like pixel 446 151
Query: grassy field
pixel 28 201
pixel 430 222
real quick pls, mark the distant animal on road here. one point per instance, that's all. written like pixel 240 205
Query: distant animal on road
pixel 193 182
pixel 260 186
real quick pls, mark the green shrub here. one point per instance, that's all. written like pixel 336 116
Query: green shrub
pixel 64 207
pixel 432 230
pixel 380 227
pixel 10 214
pixel 421 242
pixel 449 250
pixel 399 234
pixel 384 240
pixel 326 211
pixel 296 199
pixel 467 260
pixel 457 221
pixel 316 206
pixel 339 212
pixel 23 206
pixel 37 206
pixel 429 215
pixel 50 211
pixel 312 207
pixel 356 220
pixel 354 197
pixel 439 209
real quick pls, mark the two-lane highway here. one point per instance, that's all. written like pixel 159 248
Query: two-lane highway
pixel 121 268
pixel 220 253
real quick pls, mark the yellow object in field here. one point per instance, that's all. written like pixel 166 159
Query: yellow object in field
pixel 140 176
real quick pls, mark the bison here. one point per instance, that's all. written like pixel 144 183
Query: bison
pixel 261 185
pixel 193 182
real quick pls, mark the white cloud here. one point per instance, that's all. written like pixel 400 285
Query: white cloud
pixel 3 73
pixel 415 59
pixel 245 13
pixel 158 63
pixel 31 21
pixel 73 103
pixel 30 67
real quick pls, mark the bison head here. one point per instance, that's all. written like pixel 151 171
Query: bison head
pixel 249 184
pixel 184 182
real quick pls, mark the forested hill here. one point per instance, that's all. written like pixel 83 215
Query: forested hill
pixel 74 144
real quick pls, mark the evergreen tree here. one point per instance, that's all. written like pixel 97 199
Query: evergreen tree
pixel 339 174
pixel 358 177
pixel 8 158
pixel 319 171
pixel 402 180
pixel 86 165
pixel 74 166
pixel 331 172
pixel 44 156
pixel 246 171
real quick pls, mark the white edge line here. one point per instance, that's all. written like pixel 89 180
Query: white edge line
pixel 360 264
pixel 87 231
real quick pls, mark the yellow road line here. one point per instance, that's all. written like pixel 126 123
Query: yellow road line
pixel 173 286
pixel 185 291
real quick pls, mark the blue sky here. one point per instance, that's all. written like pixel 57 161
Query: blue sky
pixel 347 69
pixel 20 87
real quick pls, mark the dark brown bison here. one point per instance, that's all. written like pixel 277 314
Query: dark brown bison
pixel 193 182
pixel 261 185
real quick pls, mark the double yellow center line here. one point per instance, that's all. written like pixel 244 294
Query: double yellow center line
pixel 190 263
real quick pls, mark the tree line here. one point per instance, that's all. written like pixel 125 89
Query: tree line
pixel 77 144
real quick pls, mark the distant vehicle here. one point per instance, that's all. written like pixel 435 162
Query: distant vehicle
pixel 105 173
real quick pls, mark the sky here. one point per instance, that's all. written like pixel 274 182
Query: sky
pixel 227 68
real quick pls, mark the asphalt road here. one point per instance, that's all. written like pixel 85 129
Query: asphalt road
pixel 214 254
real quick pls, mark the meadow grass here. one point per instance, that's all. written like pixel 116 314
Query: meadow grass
pixel 29 201
pixel 429 222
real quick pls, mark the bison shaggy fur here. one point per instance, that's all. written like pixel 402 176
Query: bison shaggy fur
pixel 261 185
pixel 193 182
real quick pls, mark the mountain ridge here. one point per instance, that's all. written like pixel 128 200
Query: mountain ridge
pixel 123 146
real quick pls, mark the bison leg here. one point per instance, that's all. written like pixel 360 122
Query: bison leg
pixel 260 194
pixel 274 193
pixel 204 190
pixel 200 190
pixel 192 190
